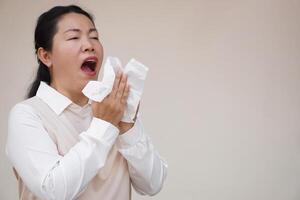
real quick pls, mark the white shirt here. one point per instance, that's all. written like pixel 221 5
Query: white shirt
pixel 52 176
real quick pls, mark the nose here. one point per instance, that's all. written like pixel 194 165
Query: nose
pixel 87 45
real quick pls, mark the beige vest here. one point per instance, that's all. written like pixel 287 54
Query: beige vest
pixel 112 181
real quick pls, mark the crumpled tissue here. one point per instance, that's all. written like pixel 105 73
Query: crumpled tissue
pixel 136 73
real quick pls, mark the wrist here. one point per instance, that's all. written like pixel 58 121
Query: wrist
pixel 124 127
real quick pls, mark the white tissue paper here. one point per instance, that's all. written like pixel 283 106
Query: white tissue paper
pixel 136 73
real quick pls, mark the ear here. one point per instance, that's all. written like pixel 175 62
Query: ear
pixel 44 56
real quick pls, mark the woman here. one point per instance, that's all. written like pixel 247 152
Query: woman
pixel 61 144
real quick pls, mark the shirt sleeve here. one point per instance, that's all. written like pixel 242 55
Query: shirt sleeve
pixel 35 157
pixel 147 169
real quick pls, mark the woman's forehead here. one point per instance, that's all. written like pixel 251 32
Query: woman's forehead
pixel 72 21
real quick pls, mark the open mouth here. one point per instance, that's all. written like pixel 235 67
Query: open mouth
pixel 89 67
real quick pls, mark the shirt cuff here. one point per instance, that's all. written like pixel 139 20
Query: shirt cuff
pixel 131 137
pixel 102 131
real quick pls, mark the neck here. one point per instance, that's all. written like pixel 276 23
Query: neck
pixel 75 96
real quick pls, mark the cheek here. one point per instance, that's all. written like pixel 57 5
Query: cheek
pixel 65 55
pixel 99 50
pixel 68 49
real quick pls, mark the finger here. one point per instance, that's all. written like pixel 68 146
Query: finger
pixel 116 83
pixel 122 86
pixel 125 94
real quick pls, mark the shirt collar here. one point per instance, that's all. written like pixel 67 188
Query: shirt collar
pixel 54 99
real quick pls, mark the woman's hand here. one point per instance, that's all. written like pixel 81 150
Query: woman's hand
pixel 111 109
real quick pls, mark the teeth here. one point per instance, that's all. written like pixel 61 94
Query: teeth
pixel 90 61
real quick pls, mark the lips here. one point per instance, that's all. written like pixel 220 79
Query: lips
pixel 89 65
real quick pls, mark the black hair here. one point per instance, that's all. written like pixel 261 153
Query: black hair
pixel 45 30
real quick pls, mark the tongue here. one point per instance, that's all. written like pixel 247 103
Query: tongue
pixel 86 68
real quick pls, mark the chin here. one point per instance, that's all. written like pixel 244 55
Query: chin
pixel 82 83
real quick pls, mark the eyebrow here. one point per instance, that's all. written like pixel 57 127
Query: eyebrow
pixel 78 30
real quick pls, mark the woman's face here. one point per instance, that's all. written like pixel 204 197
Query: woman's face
pixel 77 54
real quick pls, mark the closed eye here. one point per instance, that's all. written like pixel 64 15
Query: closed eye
pixel 95 38
pixel 73 38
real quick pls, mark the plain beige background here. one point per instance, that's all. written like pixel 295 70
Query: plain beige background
pixel 222 98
